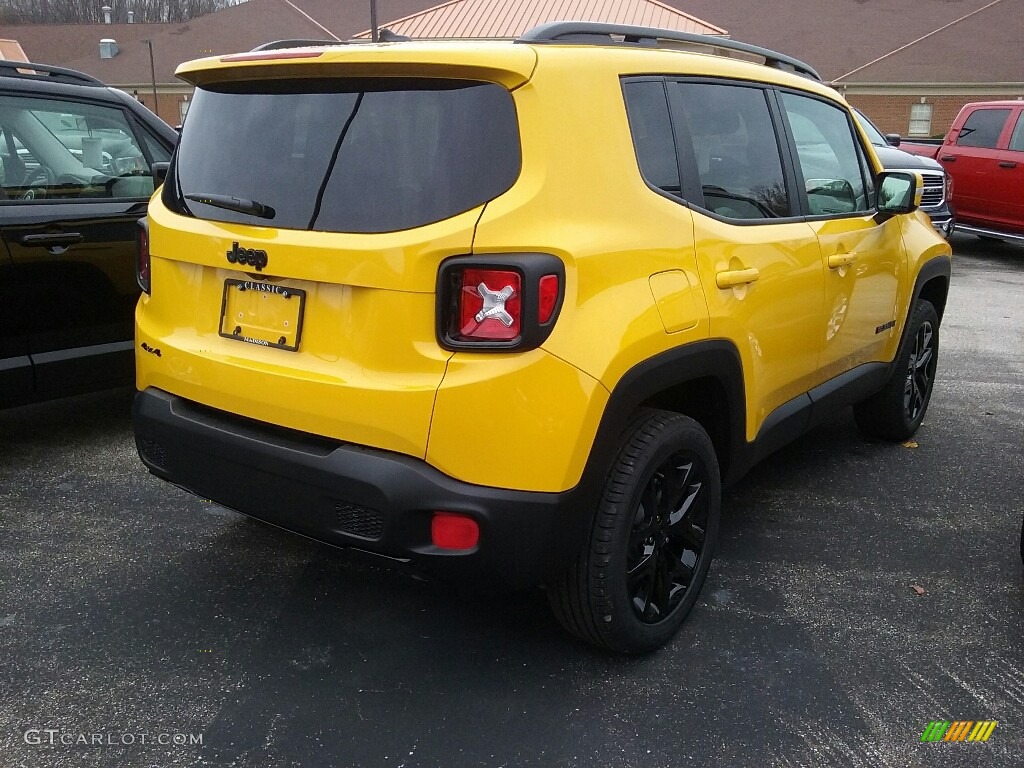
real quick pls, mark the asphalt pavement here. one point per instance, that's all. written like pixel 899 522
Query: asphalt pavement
pixel 861 591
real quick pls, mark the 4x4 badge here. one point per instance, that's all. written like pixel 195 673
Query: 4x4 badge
pixel 247 256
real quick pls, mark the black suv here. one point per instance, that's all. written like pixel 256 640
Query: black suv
pixel 76 161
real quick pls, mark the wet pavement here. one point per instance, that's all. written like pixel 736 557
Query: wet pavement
pixel 161 630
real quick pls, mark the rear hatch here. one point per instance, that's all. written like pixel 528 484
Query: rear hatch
pixel 296 244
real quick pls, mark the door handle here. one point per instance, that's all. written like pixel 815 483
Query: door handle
pixel 1007 164
pixel 50 240
pixel 840 260
pixel 735 277
pixel 948 158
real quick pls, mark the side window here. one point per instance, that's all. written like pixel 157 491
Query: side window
pixel 735 149
pixel 982 128
pixel 1017 139
pixel 651 127
pixel 831 164
pixel 157 152
pixel 61 150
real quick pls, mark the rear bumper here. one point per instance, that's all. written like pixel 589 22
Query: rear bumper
pixel 353 496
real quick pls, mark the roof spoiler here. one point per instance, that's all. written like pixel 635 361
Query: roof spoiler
pixel 385 35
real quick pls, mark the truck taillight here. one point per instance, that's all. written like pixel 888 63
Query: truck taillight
pixel 142 265
pixel 500 302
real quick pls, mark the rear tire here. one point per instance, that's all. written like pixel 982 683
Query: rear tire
pixel 898 409
pixel 652 540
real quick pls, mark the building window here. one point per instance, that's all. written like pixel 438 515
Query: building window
pixel 183 109
pixel 920 120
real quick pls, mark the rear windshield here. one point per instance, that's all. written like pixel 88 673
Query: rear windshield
pixel 353 155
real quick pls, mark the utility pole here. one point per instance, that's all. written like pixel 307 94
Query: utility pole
pixel 152 74
pixel 374 33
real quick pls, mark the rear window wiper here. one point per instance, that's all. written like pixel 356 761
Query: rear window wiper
pixel 237 204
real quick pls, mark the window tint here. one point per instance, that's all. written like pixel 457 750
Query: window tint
pixel 355 155
pixel 652 134
pixel 61 150
pixel 1017 139
pixel 735 149
pixel 982 128
pixel 831 160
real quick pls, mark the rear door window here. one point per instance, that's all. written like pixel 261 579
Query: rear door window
pixel 982 128
pixel 735 149
pixel 346 155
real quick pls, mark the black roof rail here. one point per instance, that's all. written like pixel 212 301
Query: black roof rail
pixel 600 33
pixel 46 72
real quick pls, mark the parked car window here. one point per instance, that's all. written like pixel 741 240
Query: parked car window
pixel 66 150
pixel 158 153
pixel 831 165
pixel 982 128
pixel 735 149
pixel 361 155
pixel 1017 139
pixel 651 127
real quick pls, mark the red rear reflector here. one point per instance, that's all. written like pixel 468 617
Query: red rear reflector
pixel 548 298
pixel 451 531
pixel 142 264
pixel 489 305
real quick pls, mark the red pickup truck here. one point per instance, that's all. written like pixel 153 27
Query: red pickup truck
pixel 983 153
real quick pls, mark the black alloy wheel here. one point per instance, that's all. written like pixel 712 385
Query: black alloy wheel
pixel 652 539
pixel 668 537
pixel 920 372
pixel 895 412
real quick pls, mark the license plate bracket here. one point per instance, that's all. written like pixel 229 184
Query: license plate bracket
pixel 263 314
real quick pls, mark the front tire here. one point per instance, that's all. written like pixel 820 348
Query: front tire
pixel 898 409
pixel 652 540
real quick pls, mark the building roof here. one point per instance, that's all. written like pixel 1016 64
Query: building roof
pixel 236 28
pixel 508 19
pixel 984 47
pixel 838 36
pixel 909 41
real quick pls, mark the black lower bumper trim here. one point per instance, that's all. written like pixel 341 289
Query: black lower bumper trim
pixel 353 496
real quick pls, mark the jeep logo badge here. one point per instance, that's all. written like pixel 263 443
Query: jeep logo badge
pixel 247 256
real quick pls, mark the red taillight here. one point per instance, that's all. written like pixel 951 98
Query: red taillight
pixel 490 305
pixel 142 265
pixel 498 302
pixel 548 299
pixel 451 531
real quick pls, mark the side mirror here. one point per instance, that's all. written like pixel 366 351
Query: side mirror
pixel 159 173
pixel 899 192
pixel 893 139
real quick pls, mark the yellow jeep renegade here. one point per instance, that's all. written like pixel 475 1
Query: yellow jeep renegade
pixel 512 312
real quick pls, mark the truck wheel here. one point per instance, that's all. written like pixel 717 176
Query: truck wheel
pixel 641 570
pixel 897 410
